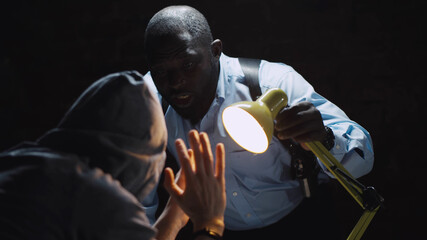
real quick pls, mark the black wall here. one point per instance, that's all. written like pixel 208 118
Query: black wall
pixel 368 57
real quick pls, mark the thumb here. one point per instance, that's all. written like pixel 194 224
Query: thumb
pixel 169 183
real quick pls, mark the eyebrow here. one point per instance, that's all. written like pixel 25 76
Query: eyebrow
pixel 187 53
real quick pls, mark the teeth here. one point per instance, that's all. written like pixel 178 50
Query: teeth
pixel 183 96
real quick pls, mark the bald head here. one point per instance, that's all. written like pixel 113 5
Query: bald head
pixel 174 20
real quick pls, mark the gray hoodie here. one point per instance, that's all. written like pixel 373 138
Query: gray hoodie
pixel 85 178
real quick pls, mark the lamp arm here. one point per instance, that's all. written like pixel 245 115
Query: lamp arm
pixel 350 178
pixel 366 197
pixel 332 165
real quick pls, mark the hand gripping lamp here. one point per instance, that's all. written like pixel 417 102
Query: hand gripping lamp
pixel 251 125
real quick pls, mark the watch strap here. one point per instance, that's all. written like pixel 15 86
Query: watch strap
pixel 329 141
pixel 207 232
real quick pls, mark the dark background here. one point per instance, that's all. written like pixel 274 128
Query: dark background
pixel 368 57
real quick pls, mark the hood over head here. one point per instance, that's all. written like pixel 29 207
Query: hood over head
pixel 116 125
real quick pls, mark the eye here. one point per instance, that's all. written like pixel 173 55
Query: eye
pixel 188 65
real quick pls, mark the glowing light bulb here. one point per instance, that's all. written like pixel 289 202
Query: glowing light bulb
pixel 250 124
pixel 245 130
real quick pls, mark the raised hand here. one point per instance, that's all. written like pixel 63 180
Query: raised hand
pixel 202 196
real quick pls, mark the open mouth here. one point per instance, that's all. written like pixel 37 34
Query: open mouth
pixel 183 100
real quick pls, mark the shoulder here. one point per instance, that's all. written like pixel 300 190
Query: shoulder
pixel 230 66
pixel 36 193
pixel 281 75
pixel 275 67
pixel 104 208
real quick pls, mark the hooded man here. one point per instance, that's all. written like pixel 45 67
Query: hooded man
pixel 85 178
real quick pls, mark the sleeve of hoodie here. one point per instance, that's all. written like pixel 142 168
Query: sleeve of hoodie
pixel 114 212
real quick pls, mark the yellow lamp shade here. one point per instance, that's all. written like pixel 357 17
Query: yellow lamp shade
pixel 251 124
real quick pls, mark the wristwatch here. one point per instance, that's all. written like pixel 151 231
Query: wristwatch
pixel 329 140
pixel 207 232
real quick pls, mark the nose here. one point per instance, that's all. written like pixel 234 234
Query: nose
pixel 176 79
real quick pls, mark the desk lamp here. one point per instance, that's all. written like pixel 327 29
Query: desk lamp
pixel 251 125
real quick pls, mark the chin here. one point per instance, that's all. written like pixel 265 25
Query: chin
pixel 189 114
pixel 184 112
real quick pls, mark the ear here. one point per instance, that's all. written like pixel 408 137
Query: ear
pixel 216 48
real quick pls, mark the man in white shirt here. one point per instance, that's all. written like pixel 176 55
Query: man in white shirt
pixel 190 72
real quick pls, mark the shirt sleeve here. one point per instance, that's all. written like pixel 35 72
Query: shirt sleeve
pixel 353 144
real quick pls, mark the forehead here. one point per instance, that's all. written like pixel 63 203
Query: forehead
pixel 172 46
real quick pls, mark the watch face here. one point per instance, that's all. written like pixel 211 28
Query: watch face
pixel 209 233
pixel 329 139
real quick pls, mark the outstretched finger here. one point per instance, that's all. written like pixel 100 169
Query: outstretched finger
pixel 207 154
pixel 220 162
pixel 195 145
pixel 184 158
pixel 191 156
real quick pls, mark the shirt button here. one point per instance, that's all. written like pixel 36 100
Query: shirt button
pixel 248 215
pixel 234 194
pixel 337 147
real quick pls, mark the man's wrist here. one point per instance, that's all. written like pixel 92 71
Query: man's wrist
pixel 208 233
pixel 215 227
pixel 169 223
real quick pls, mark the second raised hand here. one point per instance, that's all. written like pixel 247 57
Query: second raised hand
pixel 203 196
